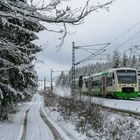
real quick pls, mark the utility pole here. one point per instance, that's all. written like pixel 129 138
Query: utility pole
pixel 73 68
pixel 96 53
pixel 51 80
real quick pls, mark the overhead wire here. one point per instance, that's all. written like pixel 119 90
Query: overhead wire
pixel 128 30
pixel 98 52
pixel 124 33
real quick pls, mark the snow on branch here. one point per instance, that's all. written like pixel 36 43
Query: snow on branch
pixel 9 89
pixel 13 50
pixel 1 95
pixel 54 12
pixel 66 15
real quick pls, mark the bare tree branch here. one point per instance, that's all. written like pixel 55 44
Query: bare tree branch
pixel 54 13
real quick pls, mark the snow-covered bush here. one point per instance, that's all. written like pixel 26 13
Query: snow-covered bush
pixel 86 116
pixel 121 127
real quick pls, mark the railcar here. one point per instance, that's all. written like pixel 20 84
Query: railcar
pixel 138 71
pixel 116 83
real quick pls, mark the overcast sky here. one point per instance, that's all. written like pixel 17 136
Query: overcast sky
pixel 101 27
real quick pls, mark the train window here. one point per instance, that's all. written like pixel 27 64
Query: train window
pixel 109 81
pixel 126 76
pixel 96 83
pixel 86 84
pixel 139 81
pixel 99 83
pixel 113 77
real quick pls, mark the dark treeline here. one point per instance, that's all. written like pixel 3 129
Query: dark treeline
pixel 113 61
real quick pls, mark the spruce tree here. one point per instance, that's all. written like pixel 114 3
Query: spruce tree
pixel 133 61
pixel 17 53
pixel 124 60
pixel 116 59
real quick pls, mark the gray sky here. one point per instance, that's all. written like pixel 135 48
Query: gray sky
pixel 98 27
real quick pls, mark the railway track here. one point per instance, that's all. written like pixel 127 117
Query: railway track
pixel 129 107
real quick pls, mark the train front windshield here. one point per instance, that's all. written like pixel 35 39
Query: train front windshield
pixel 126 76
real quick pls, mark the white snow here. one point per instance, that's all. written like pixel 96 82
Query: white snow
pixel 62 91
pixel 36 127
pixel 1 95
pixel 116 125
pixel 132 105
pixel 12 129
pixel 66 129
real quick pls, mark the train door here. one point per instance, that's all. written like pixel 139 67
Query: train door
pixel 103 86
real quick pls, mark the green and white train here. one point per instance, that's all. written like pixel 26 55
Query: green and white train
pixel 115 83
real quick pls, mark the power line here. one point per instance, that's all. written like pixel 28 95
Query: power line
pixel 96 53
pixel 128 39
pixel 128 30
pixel 124 33
pixel 85 48
pixel 93 45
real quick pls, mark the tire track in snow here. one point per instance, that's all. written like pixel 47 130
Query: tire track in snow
pixel 25 126
pixel 25 123
pixel 55 133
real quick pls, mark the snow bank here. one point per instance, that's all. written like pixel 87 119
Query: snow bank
pixel 66 129
pixel 62 91
pixel 12 129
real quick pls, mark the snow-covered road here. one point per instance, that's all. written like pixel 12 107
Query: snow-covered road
pixel 36 127
pixel 27 124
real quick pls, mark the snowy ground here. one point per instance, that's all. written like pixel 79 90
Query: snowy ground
pixel 12 129
pixel 129 105
pixel 36 128
pixel 114 103
pixel 66 129
pixel 116 126
pixel 62 91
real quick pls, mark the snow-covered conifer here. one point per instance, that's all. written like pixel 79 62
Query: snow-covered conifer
pixel 17 53
pixel 116 59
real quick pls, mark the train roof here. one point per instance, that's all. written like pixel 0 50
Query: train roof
pixel 107 71
pixel 123 68
pixel 115 69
